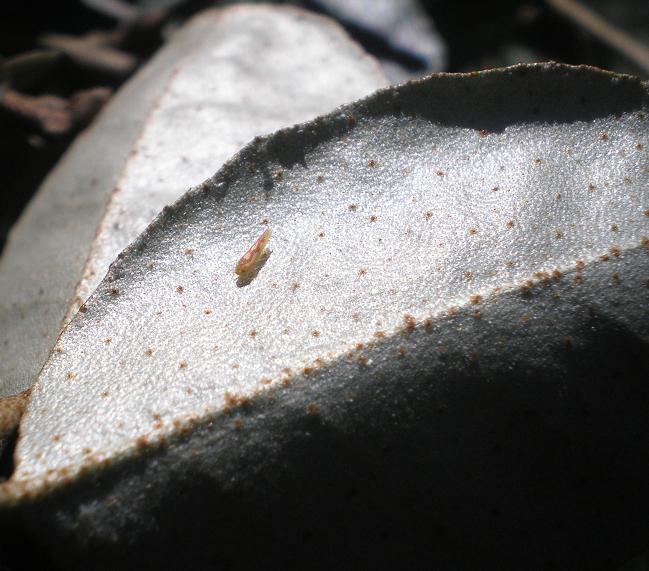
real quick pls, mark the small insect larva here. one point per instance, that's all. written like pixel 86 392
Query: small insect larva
pixel 254 255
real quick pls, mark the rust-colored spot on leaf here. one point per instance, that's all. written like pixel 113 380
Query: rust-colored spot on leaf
pixel 108 341
pixel 237 424
pixel 477 314
pixel 180 289
pixel 189 252
pixel 307 371
pixel 373 218
pixel 372 163
pixel 579 264
pixel 537 161
pixel 253 334
pixel 352 208
pixel 295 286
pixel 558 234
pixel 70 375
pixel 114 291
pixel 510 224
pixel 315 333
pixel 604 137
pixel 311 408
pixel 616 277
pixel 320 178
pixel 182 365
pixel 401 352
pixel 362 272
pixel 578 279
pixel 615 250
pixel 141 443
pixel 428 215
pixel 556 275
pixel 473 231
pixel 409 323
pixel 279 175
pixel 379 334
pixel 644 242
pixel 104 394
pixel 591 188
pixel 468 276
pixel 362 360
pixel 475 299
pixel 527 286
pixel 604 258
pixel 614 228
pixel 428 323
pixel 638 146
pixel 149 352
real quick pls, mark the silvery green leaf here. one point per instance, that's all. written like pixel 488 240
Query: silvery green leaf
pixel 227 77
pixel 442 362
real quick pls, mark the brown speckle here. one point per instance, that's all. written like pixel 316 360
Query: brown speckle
pixel 604 137
pixel 428 215
pixel 475 299
pixel 279 175
pixel 556 275
pixel 311 408
pixel 352 208
pixel 149 352
pixel 372 163
pixel 141 442
pixel 307 371
pixel 477 314
pixel 440 173
pixel 207 311
pixel 182 365
pixel 483 132
pixel 266 381
pixel 180 289
pixel 627 180
pixel 83 308
pixel 108 341
pixel 373 218
pixel 525 318
pixel 237 424
pixel 644 242
pixel 527 286
pixel 558 234
pixel 356 317
pixel 473 231
pixel 495 189
pixel 510 224
pixel 362 360
pixel 104 394
pixel 468 276
pixel 362 272
pixel 264 221
pixel 591 188
pixel 409 322
pixel 295 286
pixel 235 365
pixel 401 352
pixel 315 333
pixel 604 258
pixel 189 252
pixel 638 146
pixel 579 264
pixel 428 323
pixel 56 438
pixel 320 178
pixel 646 213
pixel 114 291
pixel 578 279
pixel 379 334
pixel 537 161
pixel 70 375
pixel 616 277
pixel 615 250
pixel 253 334
pixel 557 196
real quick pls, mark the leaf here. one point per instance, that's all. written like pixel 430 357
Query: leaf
pixel 446 348
pixel 228 76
